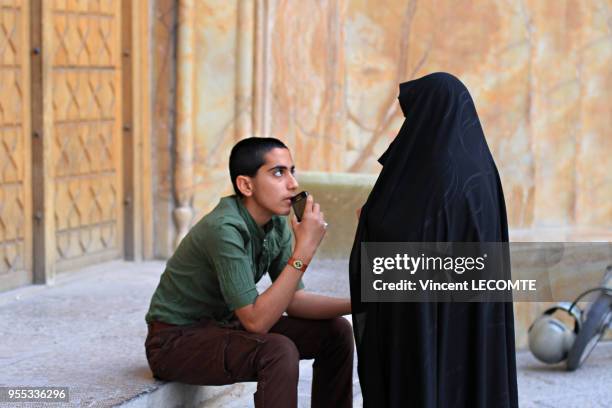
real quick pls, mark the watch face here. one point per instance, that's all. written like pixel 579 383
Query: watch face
pixel 298 264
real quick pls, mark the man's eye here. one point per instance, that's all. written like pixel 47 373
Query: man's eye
pixel 278 172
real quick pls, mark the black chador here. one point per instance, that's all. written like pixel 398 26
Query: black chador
pixel 438 183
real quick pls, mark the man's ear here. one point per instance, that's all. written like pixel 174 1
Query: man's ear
pixel 245 185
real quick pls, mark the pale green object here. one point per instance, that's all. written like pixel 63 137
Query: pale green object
pixel 340 195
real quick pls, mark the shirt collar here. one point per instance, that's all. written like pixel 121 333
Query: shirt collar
pixel 254 229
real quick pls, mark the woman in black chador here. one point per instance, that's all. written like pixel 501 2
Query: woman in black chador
pixel 438 183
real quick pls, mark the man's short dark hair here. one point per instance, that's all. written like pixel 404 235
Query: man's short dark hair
pixel 247 157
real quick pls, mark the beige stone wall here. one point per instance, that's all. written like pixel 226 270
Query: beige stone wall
pixel 323 76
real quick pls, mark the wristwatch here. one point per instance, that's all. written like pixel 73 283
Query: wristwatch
pixel 297 264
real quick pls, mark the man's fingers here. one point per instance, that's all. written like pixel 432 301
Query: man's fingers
pixel 308 206
pixel 316 209
pixel 294 221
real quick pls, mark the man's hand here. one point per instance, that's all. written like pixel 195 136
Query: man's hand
pixel 309 232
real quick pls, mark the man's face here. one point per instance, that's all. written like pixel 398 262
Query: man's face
pixel 274 184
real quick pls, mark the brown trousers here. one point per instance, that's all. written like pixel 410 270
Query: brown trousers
pixel 209 354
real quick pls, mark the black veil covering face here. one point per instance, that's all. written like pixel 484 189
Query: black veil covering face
pixel 438 183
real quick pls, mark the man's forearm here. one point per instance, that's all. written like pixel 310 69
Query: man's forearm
pixel 312 306
pixel 273 302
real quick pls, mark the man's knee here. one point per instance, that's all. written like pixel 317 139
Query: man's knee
pixel 342 331
pixel 281 352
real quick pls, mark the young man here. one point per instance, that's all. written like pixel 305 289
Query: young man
pixel 208 325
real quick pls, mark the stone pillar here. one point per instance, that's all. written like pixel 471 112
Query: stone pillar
pixel 244 69
pixel 594 143
pixel 555 114
pixel 183 168
pixel 260 69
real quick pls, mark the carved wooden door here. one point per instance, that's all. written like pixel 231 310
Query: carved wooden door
pixel 62 74
pixel 85 87
pixel 15 162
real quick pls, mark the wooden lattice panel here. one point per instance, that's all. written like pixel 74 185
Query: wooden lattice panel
pixel 86 89
pixel 15 187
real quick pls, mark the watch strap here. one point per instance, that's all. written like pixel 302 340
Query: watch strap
pixel 297 264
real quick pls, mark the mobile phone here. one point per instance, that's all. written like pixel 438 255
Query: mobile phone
pixel 298 203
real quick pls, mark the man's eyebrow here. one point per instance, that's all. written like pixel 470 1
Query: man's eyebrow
pixel 281 167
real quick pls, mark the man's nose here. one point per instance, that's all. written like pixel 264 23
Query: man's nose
pixel 293 183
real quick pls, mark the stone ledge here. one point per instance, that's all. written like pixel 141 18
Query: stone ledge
pixel 340 195
pixel 560 234
pixel 183 395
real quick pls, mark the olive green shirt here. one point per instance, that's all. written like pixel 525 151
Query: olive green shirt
pixel 216 266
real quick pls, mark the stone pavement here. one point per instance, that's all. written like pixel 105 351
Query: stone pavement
pixel 87 332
